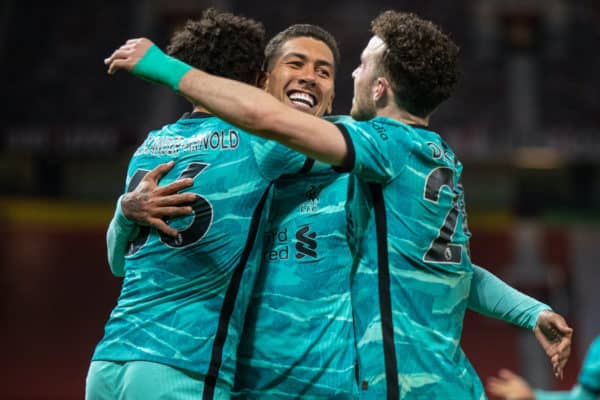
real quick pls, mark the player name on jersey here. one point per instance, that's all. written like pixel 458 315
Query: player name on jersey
pixel 202 141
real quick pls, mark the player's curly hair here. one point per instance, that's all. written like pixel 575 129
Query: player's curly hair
pixel 420 60
pixel 222 44
pixel 273 49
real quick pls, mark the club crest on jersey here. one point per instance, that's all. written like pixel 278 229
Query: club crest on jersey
pixel 311 204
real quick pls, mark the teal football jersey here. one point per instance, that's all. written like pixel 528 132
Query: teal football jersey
pixel 589 377
pixel 588 387
pixel 183 299
pixel 413 273
pixel 298 338
pixel 476 391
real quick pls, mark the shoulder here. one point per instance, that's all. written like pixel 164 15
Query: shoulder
pixel 595 347
pixel 379 127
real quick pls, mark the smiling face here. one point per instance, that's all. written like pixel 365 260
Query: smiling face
pixel 365 77
pixel 302 76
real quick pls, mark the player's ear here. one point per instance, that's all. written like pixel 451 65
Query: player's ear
pixel 262 79
pixel 380 88
pixel 330 105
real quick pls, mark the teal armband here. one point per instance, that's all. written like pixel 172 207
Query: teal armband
pixel 156 66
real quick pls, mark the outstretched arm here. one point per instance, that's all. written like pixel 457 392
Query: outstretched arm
pixel 492 297
pixel 242 105
pixel 510 386
pixel 578 392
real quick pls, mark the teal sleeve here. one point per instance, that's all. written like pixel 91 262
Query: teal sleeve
pixel 156 66
pixel 380 148
pixel 120 231
pixel 577 393
pixel 492 297
pixel 589 376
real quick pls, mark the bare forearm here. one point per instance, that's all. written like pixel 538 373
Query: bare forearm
pixel 242 105
pixel 256 111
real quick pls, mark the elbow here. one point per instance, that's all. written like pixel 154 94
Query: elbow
pixel 116 265
pixel 117 270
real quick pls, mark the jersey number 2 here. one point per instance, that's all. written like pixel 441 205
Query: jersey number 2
pixel 202 209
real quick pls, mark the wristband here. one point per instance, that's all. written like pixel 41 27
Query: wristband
pixel 156 66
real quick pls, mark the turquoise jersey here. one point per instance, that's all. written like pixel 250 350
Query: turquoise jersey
pixel 588 382
pixel 589 377
pixel 412 274
pixel 298 339
pixel 183 300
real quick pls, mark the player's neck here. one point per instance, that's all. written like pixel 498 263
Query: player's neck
pixel 402 115
pixel 201 109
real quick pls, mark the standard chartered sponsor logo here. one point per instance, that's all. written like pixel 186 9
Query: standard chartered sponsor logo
pixel 281 245
pixel 306 244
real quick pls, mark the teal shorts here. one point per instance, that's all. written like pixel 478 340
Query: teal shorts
pixel 137 380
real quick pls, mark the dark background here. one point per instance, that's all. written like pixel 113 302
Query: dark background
pixel 525 122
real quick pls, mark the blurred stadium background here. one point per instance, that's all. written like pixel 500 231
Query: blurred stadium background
pixel 525 121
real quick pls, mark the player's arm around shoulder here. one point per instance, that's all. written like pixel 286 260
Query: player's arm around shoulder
pixel 241 104
pixel 260 113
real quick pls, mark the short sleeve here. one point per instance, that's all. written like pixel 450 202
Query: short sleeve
pixel 378 149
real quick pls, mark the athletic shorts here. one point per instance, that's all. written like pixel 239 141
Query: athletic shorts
pixel 137 380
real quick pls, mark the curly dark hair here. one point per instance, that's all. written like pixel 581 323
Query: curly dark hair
pixel 222 44
pixel 273 49
pixel 420 60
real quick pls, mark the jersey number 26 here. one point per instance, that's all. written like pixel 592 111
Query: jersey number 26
pixel 202 214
